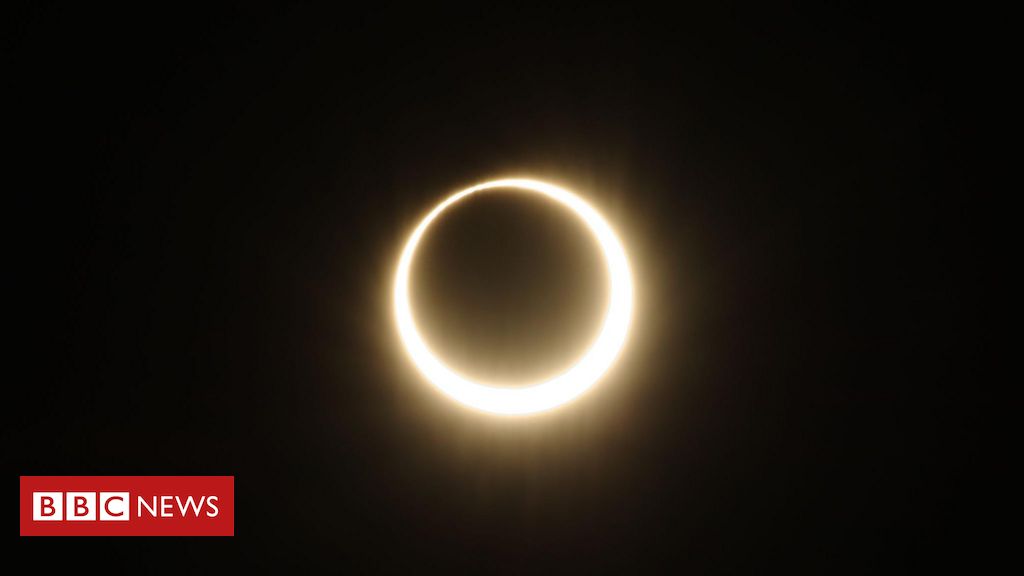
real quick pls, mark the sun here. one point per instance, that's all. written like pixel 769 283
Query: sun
pixel 529 397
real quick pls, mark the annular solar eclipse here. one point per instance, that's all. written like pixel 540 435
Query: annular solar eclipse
pixel 526 397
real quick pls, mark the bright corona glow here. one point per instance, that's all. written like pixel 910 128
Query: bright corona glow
pixel 538 396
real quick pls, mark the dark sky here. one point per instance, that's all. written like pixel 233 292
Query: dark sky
pixel 204 211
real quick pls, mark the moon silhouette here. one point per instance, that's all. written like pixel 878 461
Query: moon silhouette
pixel 528 397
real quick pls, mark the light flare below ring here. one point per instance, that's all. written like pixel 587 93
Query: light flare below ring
pixel 538 396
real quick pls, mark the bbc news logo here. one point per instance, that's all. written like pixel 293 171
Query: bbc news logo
pixel 127 505
pixel 114 507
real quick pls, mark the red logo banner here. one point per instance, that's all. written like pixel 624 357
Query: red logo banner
pixel 127 505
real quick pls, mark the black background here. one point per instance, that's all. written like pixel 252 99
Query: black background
pixel 204 211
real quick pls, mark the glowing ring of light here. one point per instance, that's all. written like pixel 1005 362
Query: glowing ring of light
pixel 567 385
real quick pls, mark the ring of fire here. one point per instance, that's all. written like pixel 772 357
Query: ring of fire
pixel 537 396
